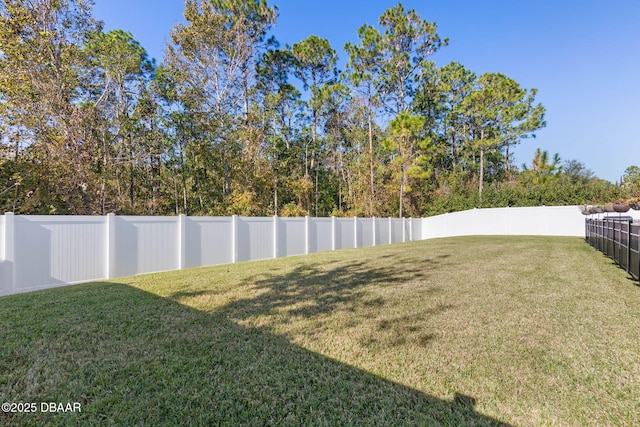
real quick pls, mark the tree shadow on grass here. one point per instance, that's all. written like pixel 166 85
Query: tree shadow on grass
pixel 133 358
pixel 321 289
pixel 314 292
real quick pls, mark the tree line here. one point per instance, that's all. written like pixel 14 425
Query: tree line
pixel 232 122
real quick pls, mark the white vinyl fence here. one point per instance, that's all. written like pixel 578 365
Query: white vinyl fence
pixel 525 221
pixel 38 252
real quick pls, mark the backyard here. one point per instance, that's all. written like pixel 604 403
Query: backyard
pixel 469 330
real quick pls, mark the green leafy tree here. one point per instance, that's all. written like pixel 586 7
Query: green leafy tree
pixel 42 118
pixel 334 112
pixel 254 18
pixel 543 169
pixel 441 99
pixel 364 67
pixel 631 180
pixel 576 171
pixel 209 61
pixel 403 142
pixel 406 44
pixel 281 105
pixel 315 67
pixel 120 72
pixel 500 113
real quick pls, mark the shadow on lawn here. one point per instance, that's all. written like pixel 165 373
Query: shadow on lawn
pixel 321 289
pixel 629 277
pixel 133 358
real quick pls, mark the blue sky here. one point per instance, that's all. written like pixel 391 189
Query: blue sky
pixel 583 56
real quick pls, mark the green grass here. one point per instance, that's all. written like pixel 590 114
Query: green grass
pixel 460 331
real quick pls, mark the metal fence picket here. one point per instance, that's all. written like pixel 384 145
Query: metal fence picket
pixel 619 239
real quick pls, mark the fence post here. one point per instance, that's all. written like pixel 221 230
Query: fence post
pixel 234 238
pixel 611 234
pixel 306 234
pixel 637 249
pixel 110 252
pixel 355 231
pixel 629 246
pixel 616 241
pixel 404 230
pixel 333 233
pixel 390 231
pixel 275 236
pixel 9 285
pixel 182 241
pixel 373 227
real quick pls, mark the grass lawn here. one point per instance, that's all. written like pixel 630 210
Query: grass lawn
pixel 459 331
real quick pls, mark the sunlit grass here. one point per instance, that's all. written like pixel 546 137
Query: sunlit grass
pixel 475 330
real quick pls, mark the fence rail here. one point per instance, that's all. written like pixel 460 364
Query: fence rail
pixel 619 239
pixel 38 252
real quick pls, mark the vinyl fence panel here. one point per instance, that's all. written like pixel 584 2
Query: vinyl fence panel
pixel 6 287
pixel 209 241
pixel 291 236
pixel 255 238
pixel 530 221
pixel 527 221
pixel 320 234
pixel 146 244
pixel 416 229
pixel 1 238
pixel 52 250
pixel 365 232
pixel 382 231
pixel 345 232
pixel 491 222
pixel 396 230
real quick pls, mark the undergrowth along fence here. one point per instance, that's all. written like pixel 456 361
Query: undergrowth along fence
pixel 618 238
pixel 38 252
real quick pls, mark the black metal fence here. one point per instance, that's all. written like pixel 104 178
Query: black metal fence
pixel 618 238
